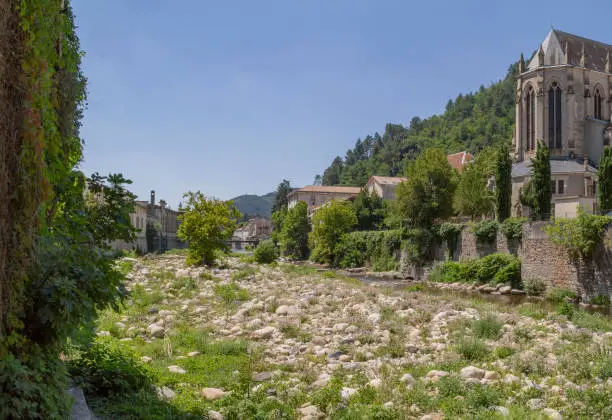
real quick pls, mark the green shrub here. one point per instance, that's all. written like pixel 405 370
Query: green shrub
pixel 557 295
pixel 504 352
pixel 534 286
pixel 601 300
pixel 266 252
pixel 510 274
pixel 566 308
pixel 512 228
pixel 418 245
pixel 489 327
pixel 472 349
pixel 107 369
pixel 580 235
pixel 377 249
pixel 491 265
pixel 450 232
pixel 231 293
pixel 485 231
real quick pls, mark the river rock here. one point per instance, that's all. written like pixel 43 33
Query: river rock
pixel 407 378
pixel 310 412
pixel 212 394
pixel 177 369
pixel 286 310
pixel 215 415
pixel 265 332
pixel 165 393
pixel 552 414
pixel 156 331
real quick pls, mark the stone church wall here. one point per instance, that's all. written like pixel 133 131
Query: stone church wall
pixel 540 259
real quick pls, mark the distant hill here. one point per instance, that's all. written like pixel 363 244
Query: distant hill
pixel 255 205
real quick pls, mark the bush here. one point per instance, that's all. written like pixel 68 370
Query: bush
pixel 329 224
pixel 489 327
pixel 485 231
pixel 601 300
pixel 106 369
pixel 558 295
pixel 266 252
pixel 534 287
pixel 418 245
pixel 580 235
pixel 450 232
pixel 512 228
pixel 497 268
pixel 374 248
pixel 472 349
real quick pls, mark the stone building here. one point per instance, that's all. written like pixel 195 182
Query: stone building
pixel 383 186
pixel 564 97
pixel 157 227
pixel 317 195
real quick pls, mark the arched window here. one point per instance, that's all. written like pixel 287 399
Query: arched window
pixel 554 116
pixel 530 118
pixel 597 104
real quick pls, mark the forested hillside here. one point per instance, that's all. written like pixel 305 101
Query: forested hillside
pixel 255 205
pixel 470 122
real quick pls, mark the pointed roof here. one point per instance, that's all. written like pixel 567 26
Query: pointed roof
pixel 564 48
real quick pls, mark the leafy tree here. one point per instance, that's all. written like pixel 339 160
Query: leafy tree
pixel 282 196
pixel 537 195
pixel 318 180
pixel 331 176
pixel 277 224
pixel 427 193
pixel 329 223
pixel 369 210
pixel 503 183
pixel 472 196
pixel 266 252
pixel 206 226
pixel 294 235
pixel 604 182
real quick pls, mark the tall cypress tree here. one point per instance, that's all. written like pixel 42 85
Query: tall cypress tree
pixel 540 187
pixel 503 183
pixel 604 182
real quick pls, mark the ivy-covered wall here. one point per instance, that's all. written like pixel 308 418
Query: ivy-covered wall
pixel 540 259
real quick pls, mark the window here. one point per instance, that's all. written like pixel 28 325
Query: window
pixel 561 186
pixel 554 116
pixel 530 118
pixel 597 104
pixel 553 187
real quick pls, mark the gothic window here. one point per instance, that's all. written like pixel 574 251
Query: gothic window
pixel 530 118
pixel 554 116
pixel 597 105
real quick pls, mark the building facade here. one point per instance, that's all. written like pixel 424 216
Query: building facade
pixel 564 98
pixel 383 186
pixel 316 195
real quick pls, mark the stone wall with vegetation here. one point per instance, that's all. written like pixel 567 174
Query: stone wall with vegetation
pixel 540 259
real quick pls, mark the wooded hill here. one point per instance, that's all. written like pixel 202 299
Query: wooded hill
pixel 470 122
pixel 255 205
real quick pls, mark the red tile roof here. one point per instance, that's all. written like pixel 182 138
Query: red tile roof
pixel 458 160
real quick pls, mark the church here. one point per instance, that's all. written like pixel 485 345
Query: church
pixel 564 97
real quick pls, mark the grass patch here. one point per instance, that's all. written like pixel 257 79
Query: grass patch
pixel 487 328
pixel 533 311
pixel 244 273
pixel 472 349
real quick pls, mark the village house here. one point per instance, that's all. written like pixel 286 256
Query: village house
pixel 157 227
pixel 383 186
pixel 564 97
pixel 316 195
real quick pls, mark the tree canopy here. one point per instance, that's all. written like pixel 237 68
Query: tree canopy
pixel 207 224
pixel 428 192
pixel 329 223
pixel 537 195
pixel 604 182
pixel 293 237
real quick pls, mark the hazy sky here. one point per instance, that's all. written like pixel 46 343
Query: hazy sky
pixel 230 97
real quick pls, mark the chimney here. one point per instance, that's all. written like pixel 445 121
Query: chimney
pixel 152 197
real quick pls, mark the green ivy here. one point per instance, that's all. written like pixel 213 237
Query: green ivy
pixel 581 235
pixel 486 230
pixel 512 228
pixel 450 232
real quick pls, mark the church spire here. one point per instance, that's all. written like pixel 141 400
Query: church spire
pixel 608 64
pixel 541 56
pixel 521 64
pixel 582 57
pixel 567 53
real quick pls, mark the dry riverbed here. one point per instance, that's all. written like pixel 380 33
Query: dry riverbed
pixel 281 341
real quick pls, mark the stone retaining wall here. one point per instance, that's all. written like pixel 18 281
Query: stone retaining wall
pixel 540 259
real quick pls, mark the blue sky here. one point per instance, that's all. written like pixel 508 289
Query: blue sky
pixel 230 97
